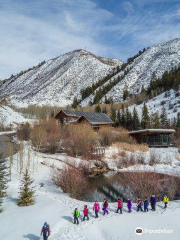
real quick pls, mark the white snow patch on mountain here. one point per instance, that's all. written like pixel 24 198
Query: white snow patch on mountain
pixel 155 60
pixel 59 80
pixel 170 100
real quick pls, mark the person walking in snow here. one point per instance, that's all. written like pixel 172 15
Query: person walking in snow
pixel 153 201
pixel 105 206
pixel 129 205
pixel 146 204
pixel 120 205
pixel 96 208
pixel 85 212
pixel 139 204
pixel 76 216
pixel 45 231
pixel 165 200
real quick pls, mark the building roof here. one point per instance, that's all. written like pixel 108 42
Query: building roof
pixel 92 117
pixel 152 131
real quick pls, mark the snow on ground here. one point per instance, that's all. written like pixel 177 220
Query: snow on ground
pixel 55 207
pixel 167 160
pixel 9 117
pixel 7 133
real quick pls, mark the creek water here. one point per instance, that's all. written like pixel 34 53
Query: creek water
pixel 124 185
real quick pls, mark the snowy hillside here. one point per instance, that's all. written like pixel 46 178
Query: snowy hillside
pixel 58 80
pixel 155 60
pixel 170 100
pixel 9 117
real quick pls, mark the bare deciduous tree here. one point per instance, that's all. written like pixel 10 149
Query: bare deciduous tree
pixel 72 181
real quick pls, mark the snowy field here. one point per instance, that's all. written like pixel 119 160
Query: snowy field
pixel 55 207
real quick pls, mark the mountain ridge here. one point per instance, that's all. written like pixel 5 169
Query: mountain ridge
pixel 59 78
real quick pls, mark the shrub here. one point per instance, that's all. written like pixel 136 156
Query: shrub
pixel 71 181
pixel 106 136
pixel 144 184
pixel 79 140
pixel 154 158
pixel 124 159
pixel 46 134
pixel 24 131
pixel 109 136
pixel 131 147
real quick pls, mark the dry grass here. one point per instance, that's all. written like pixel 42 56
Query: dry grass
pixel 130 147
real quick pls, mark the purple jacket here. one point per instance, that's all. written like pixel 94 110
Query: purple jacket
pixel 129 204
pixel 45 231
pixel 96 207
pixel 153 199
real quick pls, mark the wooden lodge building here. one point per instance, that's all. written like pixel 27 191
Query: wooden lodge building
pixel 154 137
pixel 95 120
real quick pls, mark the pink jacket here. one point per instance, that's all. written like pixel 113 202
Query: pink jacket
pixel 120 203
pixel 96 207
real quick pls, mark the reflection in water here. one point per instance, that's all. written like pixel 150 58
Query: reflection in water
pixel 126 185
pixel 107 186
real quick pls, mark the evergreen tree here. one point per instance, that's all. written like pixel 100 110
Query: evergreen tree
pixel 155 120
pixel 98 109
pixel 128 119
pixel 164 119
pixel 104 110
pixel 178 120
pixel 75 103
pixel 143 89
pixel 123 117
pixel 119 117
pixel 113 114
pixel 3 179
pixel 135 121
pixel 125 94
pixel 106 100
pixel 26 192
pixel 145 121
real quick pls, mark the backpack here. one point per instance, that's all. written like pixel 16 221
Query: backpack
pixel 46 230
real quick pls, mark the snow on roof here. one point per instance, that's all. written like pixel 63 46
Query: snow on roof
pixel 153 130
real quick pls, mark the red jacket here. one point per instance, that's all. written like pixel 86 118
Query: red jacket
pixel 85 211
pixel 120 203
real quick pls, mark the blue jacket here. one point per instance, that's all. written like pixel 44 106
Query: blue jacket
pixel 146 203
pixel 153 199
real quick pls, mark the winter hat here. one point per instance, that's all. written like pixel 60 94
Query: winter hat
pixel 45 224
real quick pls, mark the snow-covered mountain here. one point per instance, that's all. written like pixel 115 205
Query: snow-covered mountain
pixel 155 60
pixel 58 80
pixel 10 117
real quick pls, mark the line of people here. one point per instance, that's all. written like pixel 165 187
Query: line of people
pixel 142 205
pixel 96 208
